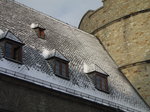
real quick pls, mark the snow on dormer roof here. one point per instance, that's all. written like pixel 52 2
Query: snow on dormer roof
pixel 36 25
pixel 93 68
pixel 57 54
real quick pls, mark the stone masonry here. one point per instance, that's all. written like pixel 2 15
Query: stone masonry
pixel 123 28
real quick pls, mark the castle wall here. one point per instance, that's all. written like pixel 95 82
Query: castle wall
pixel 123 27
pixel 139 76
pixel 128 40
pixel 112 10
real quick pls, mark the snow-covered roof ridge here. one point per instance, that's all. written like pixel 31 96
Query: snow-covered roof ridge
pixel 78 47
pixel 57 54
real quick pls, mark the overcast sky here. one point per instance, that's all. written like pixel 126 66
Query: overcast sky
pixel 69 11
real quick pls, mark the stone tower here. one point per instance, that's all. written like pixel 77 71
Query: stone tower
pixel 123 28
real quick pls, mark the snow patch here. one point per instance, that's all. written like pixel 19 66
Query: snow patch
pixel 45 53
pixel 86 68
pixel 34 25
pixel 1 32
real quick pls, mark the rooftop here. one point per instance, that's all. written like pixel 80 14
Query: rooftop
pixel 74 45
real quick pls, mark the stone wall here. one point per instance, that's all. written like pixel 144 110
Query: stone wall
pixel 128 40
pixel 139 76
pixel 112 10
pixel 123 27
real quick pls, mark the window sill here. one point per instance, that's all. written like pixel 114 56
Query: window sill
pixel 66 78
pixel 16 61
pixel 105 91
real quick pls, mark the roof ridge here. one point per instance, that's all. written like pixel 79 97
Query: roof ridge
pixel 55 19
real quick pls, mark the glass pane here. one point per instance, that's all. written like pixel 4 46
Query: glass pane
pixel 64 69
pixel 42 34
pixel 98 82
pixel 8 49
pixel 103 84
pixel 57 68
pixel 16 53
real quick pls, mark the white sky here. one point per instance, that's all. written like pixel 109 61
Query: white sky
pixel 69 11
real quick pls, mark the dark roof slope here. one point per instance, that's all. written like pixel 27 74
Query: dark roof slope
pixel 77 46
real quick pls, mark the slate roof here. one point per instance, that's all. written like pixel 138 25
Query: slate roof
pixel 77 46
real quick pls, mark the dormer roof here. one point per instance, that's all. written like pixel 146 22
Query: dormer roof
pixel 94 68
pixel 37 25
pixel 57 54
pixel 9 35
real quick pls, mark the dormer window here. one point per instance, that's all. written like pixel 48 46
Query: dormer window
pixel 13 51
pixel 101 82
pixel 98 77
pixel 12 47
pixel 39 30
pixel 61 68
pixel 59 63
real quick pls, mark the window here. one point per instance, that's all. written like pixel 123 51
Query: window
pixel 8 49
pixel 40 32
pixel 57 68
pixel 61 69
pixel 59 63
pixel 64 69
pixel 39 29
pixel 101 82
pixel 13 51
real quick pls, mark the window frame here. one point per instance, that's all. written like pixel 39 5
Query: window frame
pixel 61 62
pixel 40 32
pixel 103 78
pixel 14 45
